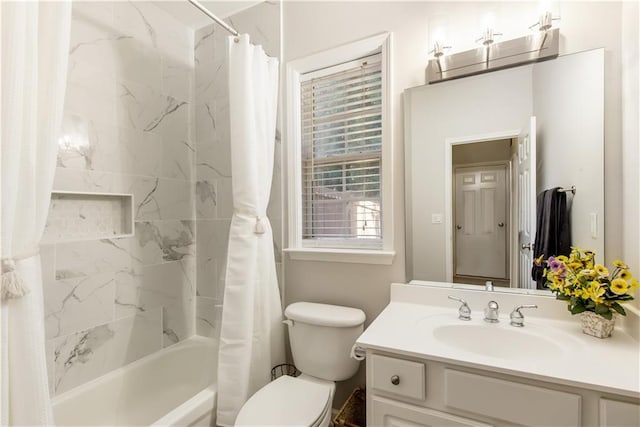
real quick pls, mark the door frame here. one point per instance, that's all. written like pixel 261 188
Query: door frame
pixel 506 164
pixel 448 186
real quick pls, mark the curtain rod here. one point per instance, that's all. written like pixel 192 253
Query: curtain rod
pixel 214 17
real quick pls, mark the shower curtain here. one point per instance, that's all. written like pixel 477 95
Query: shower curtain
pixel 252 335
pixel 35 48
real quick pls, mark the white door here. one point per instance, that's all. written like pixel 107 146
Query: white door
pixel 526 202
pixel 481 222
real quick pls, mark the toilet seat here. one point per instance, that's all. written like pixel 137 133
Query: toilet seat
pixel 288 401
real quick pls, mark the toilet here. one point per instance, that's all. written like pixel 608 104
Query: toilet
pixel 321 338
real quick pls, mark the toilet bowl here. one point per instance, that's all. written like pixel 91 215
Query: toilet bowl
pixel 321 338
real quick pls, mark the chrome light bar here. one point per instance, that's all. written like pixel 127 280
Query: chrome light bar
pixel 496 56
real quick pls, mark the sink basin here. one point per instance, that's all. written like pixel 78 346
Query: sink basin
pixel 497 341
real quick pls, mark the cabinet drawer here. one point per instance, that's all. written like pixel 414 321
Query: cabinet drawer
pixel 619 414
pixel 510 401
pixel 399 377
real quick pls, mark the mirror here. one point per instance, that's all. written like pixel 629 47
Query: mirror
pixel 478 150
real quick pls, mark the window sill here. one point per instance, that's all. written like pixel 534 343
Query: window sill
pixel 356 256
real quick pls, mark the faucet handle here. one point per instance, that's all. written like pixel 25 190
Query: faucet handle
pixel 464 312
pixel 517 319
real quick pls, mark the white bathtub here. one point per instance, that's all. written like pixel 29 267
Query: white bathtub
pixel 173 387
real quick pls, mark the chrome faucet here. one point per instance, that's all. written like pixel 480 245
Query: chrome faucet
pixel 491 312
pixel 464 312
pixel 488 286
pixel 517 319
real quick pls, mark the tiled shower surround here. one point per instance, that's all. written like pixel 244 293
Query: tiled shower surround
pixel 127 128
pixel 132 124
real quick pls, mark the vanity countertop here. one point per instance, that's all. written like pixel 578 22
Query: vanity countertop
pixel 421 329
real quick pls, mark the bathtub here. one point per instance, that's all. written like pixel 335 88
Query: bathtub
pixel 173 387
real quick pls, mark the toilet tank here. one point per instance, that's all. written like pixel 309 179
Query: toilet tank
pixel 321 338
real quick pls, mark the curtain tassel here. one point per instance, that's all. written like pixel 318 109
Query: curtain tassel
pixel 259 227
pixel 12 285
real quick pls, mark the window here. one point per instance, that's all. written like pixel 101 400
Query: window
pixel 341 123
pixel 339 189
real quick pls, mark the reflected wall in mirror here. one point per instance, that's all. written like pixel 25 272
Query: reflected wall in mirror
pixel 478 151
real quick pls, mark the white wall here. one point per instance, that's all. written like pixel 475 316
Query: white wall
pixel 311 27
pixel 568 105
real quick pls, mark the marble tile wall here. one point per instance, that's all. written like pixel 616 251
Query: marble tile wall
pixel 127 128
pixel 214 203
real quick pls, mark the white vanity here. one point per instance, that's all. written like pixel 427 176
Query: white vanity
pixel 427 367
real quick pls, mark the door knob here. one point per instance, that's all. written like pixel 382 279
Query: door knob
pixel 395 380
pixel 501 224
pixel 459 227
pixel 526 246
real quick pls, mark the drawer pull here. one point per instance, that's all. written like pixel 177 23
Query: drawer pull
pixel 395 380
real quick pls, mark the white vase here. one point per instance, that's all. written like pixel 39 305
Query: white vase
pixel 596 325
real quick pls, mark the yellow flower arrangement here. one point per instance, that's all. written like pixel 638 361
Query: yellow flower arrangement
pixel 587 286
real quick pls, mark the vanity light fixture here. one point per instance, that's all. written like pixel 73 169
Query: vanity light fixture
pixel 488 37
pixel 493 56
pixel 545 21
pixel 438 50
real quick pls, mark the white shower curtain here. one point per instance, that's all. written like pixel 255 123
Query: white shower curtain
pixel 35 48
pixel 252 335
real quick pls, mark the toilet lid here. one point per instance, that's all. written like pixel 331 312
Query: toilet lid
pixel 287 401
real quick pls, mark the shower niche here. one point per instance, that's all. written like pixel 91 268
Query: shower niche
pixel 75 216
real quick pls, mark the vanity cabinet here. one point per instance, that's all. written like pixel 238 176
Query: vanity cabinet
pixel 411 392
pixel 425 367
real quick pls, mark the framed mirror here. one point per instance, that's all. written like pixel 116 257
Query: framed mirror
pixel 479 151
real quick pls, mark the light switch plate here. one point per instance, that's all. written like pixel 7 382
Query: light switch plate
pixel 436 218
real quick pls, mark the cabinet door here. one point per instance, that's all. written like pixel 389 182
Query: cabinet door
pixel 619 414
pixel 389 413
pixel 511 401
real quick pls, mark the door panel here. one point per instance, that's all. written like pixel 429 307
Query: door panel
pixel 480 218
pixel 526 202
pixel 469 213
pixel 489 216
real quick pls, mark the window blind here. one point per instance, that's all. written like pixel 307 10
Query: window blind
pixel 341 123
